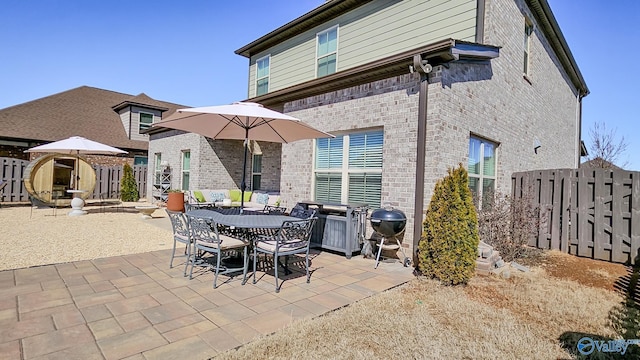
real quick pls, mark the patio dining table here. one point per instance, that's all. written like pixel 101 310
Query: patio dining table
pixel 251 223
pixel 247 220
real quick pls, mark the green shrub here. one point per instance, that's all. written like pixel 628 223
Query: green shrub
pixel 448 248
pixel 128 186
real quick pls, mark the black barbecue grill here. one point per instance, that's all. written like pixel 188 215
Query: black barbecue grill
pixel 389 223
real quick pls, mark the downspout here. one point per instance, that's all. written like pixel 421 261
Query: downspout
pixel 578 128
pixel 422 67
pixel 129 122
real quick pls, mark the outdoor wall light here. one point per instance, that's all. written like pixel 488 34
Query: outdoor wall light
pixel 536 145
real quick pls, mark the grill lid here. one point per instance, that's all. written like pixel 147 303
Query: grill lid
pixel 388 222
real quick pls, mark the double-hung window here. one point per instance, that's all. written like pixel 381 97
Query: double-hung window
pixel 262 75
pixel 528 30
pixel 482 169
pixel 348 168
pixel 327 52
pixel 146 120
pixel 256 171
pixel 158 169
pixel 186 168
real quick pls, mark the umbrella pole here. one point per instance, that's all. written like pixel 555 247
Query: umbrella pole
pixel 243 184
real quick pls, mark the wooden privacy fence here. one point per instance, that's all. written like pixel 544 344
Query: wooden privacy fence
pixel 107 180
pixel 586 212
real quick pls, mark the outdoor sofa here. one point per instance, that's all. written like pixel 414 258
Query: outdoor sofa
pixel 253 200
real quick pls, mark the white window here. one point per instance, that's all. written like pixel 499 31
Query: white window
pixel 186 167
pixel 348 168
pixel 327 52
pixel 482 169
pixel 146 120
pixel 528 31
pixel 262 75
pixel 256 172
pixel 158 169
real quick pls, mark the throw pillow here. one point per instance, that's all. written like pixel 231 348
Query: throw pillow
pixel 234 195
pixel 262 199
pixel 216 196
pixel 199 197
pixel 247 196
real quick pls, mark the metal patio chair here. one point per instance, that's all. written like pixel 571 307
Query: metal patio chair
pixel 207 240
pixel 293 237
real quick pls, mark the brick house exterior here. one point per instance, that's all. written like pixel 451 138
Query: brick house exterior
pixel 475 87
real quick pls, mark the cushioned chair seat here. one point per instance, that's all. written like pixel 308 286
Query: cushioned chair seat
pixel 270 245
pixel 227 243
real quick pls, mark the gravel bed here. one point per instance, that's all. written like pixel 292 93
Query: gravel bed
pixel 40 238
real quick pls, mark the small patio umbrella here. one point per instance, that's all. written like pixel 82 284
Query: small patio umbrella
pixel 241 121
pixel 76 145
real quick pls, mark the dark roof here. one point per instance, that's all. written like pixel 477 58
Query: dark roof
pixel 334 8
pixel 599 163
pixel 84 111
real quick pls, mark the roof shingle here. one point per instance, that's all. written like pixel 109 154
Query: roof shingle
pixel 84 111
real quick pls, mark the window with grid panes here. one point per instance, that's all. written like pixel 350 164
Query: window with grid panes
pixel 157 169
pixel 528 30
pixel 256 172
pixel 327 52
pixel 186 168
pixel 348 168
pixel 146 120
pixel 262 75
pixel 482 169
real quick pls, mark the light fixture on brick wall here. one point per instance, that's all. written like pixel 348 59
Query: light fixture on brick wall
pixel 536 145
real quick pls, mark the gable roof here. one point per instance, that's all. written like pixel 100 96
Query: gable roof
pixel 84 111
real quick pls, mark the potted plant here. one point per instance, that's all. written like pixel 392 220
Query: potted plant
pixel 175 200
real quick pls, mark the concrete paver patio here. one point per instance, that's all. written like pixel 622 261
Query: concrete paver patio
pixel 135 307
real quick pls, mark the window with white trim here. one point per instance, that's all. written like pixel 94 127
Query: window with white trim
pixel 157 171
pixel 482 169
pixel 186 169
pixel 528 30
pixel 327 52
pixel 262 75
pixel 256 173
pixel 348 168
pixel 146 120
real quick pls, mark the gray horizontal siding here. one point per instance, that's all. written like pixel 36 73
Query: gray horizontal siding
pixel 370 32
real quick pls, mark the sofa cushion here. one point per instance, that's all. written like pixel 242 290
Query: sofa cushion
pixel 217 196
pixel 262 199
pixel 199 196
pixel 234 195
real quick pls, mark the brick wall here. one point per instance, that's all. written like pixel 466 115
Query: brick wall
pixel 390 104
pixel 215 164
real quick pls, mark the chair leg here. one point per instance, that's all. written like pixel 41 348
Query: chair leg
pixel 255 263
pixel 193 262
pixel 246 265
pixel 173 254
pixel 306 262
pixel 218 259
pixel 275 266
pixel 186 263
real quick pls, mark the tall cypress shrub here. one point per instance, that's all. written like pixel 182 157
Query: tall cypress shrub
pixel 448 248
pixel 128 186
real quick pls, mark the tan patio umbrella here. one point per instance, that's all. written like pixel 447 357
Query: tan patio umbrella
pixel 76 145
pixel 241 121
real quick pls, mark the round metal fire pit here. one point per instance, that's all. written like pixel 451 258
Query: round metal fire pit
pixel 388 222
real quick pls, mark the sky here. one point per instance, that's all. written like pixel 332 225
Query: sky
pixel 183 51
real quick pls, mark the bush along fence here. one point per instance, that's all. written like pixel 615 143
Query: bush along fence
pixel 107 180
pixel 592 213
